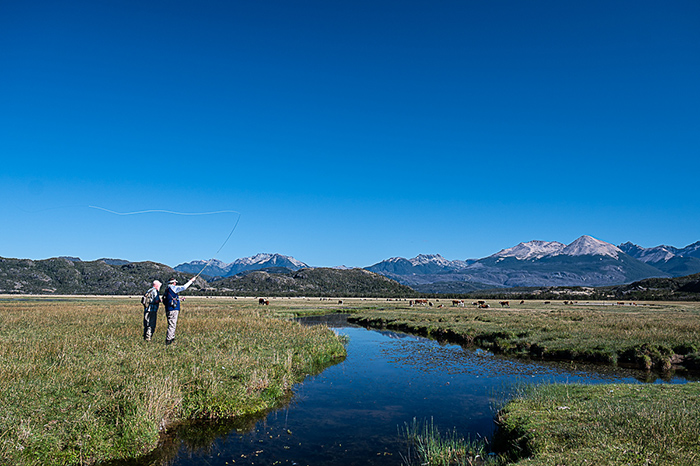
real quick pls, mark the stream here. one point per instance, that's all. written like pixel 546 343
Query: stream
pixel 354 413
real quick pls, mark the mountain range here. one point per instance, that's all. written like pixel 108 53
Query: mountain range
pixel 217 268
pixel 586 261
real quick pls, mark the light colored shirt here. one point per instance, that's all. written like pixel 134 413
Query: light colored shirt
pixel 179 288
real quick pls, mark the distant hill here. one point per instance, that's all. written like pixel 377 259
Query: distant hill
pixel 217 268
pixel 323 282
pixel 666 289
pixel 61 275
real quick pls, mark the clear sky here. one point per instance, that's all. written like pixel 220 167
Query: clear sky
pixel 345 133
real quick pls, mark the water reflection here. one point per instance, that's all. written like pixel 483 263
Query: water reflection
pixel 351 413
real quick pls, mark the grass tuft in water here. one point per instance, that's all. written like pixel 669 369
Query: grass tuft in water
pixel 427 446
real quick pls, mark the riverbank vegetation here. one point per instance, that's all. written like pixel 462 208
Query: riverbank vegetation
pixel 652 336
pixel 78 384
pixel 550 425
pixel 427 446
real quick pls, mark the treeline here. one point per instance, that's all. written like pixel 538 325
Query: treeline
pixel 650 289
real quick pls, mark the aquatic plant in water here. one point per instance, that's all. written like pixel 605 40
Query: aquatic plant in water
pixel 426 445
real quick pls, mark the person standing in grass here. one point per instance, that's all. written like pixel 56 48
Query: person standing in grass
pixel 171 299
pixel 150 310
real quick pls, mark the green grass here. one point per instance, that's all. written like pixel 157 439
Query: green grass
pixel 427 446
pixel 615 424
pixel 649 335
pixel 78 384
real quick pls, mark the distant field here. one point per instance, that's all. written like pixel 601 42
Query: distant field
pixel 648 335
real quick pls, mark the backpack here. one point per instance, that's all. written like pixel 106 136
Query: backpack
pixel 146 300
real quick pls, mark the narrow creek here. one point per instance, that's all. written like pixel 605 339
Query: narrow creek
pixel 353 413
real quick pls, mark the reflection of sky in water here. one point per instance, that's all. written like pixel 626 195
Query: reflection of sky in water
pixel 352 412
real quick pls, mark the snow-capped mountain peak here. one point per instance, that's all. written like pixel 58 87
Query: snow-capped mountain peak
pixel 267 257
pixel 589 246
pixel 422 259
pixel 532 250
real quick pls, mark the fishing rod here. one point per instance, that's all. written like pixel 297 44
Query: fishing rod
pixel 183 213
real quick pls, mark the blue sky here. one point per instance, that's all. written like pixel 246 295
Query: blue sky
pixel 345 132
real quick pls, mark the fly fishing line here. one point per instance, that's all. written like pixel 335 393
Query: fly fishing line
pixel 183 213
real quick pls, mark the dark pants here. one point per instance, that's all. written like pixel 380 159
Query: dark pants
pixel 149 322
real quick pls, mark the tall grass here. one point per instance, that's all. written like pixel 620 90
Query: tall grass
pixel 78 384
pixel 427 446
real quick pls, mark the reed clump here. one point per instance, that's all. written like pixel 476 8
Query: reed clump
pixel 78 384
pixel 549 425
pixel 428 446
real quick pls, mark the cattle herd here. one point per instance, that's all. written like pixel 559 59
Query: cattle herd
pixel 460 303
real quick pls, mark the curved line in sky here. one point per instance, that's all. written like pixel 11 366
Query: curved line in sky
pixel 165 212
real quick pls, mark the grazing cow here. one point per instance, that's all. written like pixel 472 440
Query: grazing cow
pixel 457 302
pixel 410 303
pixel 504 303
pixel 548 302
pixel 261 300
pixel 484 306
pixel 340 301
pixel 421 301
pixel 522 302
pixel 430 304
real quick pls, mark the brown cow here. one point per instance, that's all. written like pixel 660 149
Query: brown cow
pixel 504 303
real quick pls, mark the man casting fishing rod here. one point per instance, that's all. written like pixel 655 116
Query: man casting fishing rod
pixel 171 299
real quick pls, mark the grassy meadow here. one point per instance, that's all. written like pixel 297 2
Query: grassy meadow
pixel 649 335
pixel 78 384
pixel 550 425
